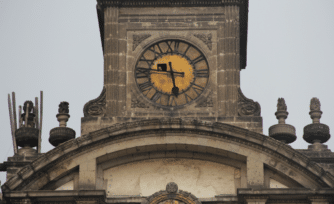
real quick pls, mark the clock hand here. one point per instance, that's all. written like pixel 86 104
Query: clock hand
pixel 177 73
pixel 175 89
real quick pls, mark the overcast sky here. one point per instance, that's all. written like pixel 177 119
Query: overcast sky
pixel 55 46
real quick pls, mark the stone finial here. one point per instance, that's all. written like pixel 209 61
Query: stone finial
pixel 281 106
pixel 63 107
pixel 315 111
pixel 63 115
pixel 316 133
pixel 62 133
pixel 281 113
pixel 282 132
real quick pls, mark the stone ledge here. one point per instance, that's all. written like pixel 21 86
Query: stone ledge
pixel 219 130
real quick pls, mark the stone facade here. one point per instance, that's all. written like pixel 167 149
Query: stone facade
pixel 210 150
pixel 211 26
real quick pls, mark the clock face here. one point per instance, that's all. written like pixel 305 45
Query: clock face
pixel 172 73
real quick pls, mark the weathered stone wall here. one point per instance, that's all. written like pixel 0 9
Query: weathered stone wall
pixel 202 178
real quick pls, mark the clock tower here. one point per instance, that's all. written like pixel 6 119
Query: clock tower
pixel 172 59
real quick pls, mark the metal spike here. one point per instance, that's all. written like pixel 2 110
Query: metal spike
pixel 11 124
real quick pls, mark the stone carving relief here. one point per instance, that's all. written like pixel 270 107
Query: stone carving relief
pixel 171 187
pixel 135 103
pixel 96 107
pixel 247 107
pixel 137 39
pixel 206 38
pixel 207 103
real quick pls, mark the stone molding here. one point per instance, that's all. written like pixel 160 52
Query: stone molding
pixel 208 102
pixel 96 107
pixel 280 195
pixel 259 142
pixel 137 39
pixel 135 103
pixel 246 106
pixel 163 195
pixel 164 3
pixel 51 197
pixel 206 38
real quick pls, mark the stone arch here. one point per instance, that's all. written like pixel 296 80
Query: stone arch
pixel 214 138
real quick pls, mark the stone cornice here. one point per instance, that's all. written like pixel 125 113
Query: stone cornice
pixel 167 3
pixel 243 14
pixel 231 133
pixel 290 195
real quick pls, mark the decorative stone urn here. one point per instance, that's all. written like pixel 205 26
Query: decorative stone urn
pixel 62 133
pixel 283 132
pixel 316 132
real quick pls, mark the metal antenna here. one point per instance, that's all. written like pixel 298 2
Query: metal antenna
pixel 40 124
pixel 27 114
pixel 36 113
pixel 14 111
pixel 20 118
pixel 11 124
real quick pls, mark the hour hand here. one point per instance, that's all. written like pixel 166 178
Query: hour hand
pixel 175 89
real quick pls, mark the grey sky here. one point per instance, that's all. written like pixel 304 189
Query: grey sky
pixel 55 46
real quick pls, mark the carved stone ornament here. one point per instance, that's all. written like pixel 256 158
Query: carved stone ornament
pixel 96 107
pixel 63 107
pixel 171 194
pixel 137 39
pixel 207 103
pixel 206 38
pixel 135 103
pixel 171 187
pixel 315 104
pixel 281 106
pixel 247 107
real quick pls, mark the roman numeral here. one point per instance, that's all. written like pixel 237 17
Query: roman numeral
pixel 142 72
pixel 176 46
pixel 147 86
pixel 160 48
pixel 185 52
pixel 156 96
pixel 197 88
pixel 198 59
pixel 156 54
pixel 171 101
pixel 202 73
pixel 187 97
pixel 149 62
pixel 169 50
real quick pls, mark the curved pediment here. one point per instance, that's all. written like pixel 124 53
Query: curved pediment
pixel 84 157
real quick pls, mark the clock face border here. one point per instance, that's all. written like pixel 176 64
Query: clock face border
pixel 165 48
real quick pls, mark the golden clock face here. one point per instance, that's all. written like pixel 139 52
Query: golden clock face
pixel 172 73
